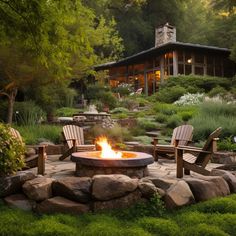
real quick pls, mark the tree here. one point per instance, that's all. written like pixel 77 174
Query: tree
pixel 52 37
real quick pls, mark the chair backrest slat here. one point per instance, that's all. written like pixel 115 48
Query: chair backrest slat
pixel 15 133
pixel 73 132
pixel 183 134
pixel 203 158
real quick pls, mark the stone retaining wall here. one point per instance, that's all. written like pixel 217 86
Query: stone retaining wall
pixel 77 195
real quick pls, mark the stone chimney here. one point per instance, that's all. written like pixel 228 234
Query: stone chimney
pixel 165 34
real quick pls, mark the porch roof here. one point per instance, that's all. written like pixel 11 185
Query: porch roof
pixel 160 50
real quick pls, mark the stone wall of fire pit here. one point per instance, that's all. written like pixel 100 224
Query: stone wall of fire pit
pixel 77 195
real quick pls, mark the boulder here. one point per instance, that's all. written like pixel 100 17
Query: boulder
pixel 13 184
pixel 61 205
pixel 147 189
pixel 163 183
pixel 207 187
pixel 228 177
pixel 118 203
pixel 106 187
pixel 179 194
pixel 38 189
pixel 20 201
pixel 74 188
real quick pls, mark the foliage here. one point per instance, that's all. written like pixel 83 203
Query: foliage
pixel 119 110
pixel 217 91
pixel 173 121
pixel 213 217
pixel 162 118
pixel 33 134
pixel 227 144
pixel 143 139
pixel 170 94
pixel 28 113
pixel 123 89
pixel 146 124
pixel 11 152
pixel 100 93
pixel 66 111
pixel 190 99
pixel 129 103
pixel 212 115
pixel 114 134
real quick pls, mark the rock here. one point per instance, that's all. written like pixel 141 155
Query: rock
pixel 179 194
pixel 147 189
pixel 106 187
pixel 12 184
pixel 207 187
pixel 118 203
pixel 74 188
pixel 228 177
pixel 20 201
pixel 163 183
pixel 61 205
pixel 38 189
pixel 30 152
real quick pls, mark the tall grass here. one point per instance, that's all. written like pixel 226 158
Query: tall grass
pixel 213 115
pixel 33 134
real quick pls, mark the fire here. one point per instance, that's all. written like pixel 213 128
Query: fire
pixel 107 151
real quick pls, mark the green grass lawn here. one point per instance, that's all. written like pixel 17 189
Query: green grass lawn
pixel 215 217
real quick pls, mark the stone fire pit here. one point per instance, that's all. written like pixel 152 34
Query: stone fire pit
pixel 133 164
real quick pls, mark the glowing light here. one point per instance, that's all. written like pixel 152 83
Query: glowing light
pixel 107 151
pixel 189 60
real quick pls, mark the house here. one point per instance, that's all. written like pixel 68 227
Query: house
pixel 149 68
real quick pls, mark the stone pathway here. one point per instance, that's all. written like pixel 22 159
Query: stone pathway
pixel 164 168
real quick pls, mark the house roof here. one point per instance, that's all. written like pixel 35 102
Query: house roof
pixel 160 50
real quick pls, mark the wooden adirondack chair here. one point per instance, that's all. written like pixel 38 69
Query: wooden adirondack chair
pixel 182 135
pixel 187 161
pixel 33 160
pixel 74 137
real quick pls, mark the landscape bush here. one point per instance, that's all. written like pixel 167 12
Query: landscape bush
pixel 190 99
pixel 173 121
pixel 162 118
pixel 66 111
pixel 146 124
pixel 28 113
pixel 11 152
pixel 33 134
pixel 217 91
pixel 212 115
pixel 170 94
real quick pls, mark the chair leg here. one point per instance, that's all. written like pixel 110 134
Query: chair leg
pixel 186 172
pixel 66 154
pixel 179 162
pixel 41 161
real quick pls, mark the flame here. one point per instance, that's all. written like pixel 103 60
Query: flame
pixel 107 151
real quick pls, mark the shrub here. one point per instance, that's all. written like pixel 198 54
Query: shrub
pixel 124 89
pixel 190 99
pixel 212 115
pixel 186 115
pixel 167 109
pixel 227 144
pixel 170 94
pixel 33 134
pixel 66 111
pixel 28 113
pixel 146 124
pixel 162 118
pixel 129 103
pixel 173 121
pixel 143 139
pixel 11 152
pixel 218 90
pixel 119 110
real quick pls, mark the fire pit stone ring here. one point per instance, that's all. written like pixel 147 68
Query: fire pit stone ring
pixel 134 164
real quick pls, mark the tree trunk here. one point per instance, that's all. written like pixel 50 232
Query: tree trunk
pixel 11 101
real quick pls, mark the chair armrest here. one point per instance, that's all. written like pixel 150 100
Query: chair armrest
pixel 37 146
pixel 192 149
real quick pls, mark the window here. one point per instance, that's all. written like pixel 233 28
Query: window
pixel 199 70
pixel 188 69
pixel 181 69
pixel 199 58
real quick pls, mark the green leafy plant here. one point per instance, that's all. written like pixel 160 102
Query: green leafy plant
pixel 11 152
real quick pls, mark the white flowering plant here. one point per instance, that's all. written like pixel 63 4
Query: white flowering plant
pixel 190 99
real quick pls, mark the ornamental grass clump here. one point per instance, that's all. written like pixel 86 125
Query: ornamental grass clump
pixel 11 152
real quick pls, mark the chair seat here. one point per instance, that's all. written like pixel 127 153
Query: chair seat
pixel 188 157
pixel 88 147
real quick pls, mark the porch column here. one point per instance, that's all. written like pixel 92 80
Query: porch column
pixel 175 63
pixel 162 69
pixel 145 83
pixel 205 66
